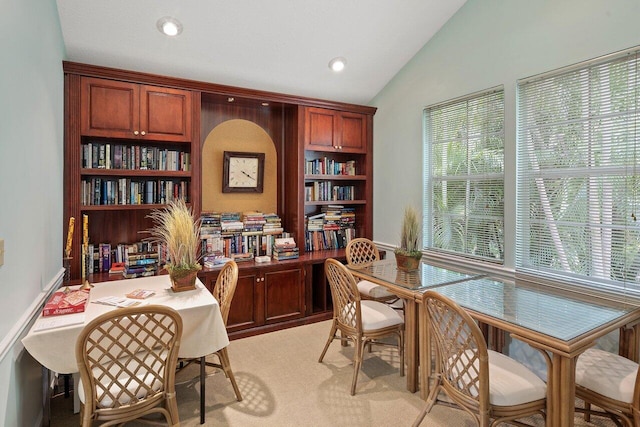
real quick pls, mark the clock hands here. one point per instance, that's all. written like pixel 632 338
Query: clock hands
pixel 246 174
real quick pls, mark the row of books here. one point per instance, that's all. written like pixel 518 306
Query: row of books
pixel 327 191
pixel 125 191
pixel 129 260
pixel 234 233
pixel 329 239
pixel 98 155
pixel 327 166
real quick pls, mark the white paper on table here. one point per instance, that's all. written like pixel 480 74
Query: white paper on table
pixel 119 301
pixel 50 322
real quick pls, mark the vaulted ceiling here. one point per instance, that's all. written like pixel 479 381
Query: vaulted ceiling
pixel 281 46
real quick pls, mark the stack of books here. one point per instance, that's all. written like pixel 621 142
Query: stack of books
pixel 140 264
pixel 212 243
pixel 285 248
pixel 332 228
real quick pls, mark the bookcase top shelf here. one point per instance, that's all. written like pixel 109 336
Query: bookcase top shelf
pixel 335 202
pixel 335 177
pixel 135 172
pixel 86 208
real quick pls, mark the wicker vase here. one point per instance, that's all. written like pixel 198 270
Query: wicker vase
pixel 408 262
pixel 185 281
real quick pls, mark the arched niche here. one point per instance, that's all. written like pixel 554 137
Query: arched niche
pixel 237 135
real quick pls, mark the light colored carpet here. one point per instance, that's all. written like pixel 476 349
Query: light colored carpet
pixel 284 385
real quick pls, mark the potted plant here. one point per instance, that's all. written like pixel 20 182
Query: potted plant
pixel 176 227
pixel 408 254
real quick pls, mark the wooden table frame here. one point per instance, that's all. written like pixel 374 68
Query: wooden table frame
pixel 561 356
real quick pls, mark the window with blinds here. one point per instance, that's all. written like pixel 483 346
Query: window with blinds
pixel 578 186
pixel 464 160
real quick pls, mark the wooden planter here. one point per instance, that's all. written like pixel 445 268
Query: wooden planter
pixel 185 282
pixel 407 263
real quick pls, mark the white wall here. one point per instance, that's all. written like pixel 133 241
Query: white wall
pixel 31 197
pixel 486 43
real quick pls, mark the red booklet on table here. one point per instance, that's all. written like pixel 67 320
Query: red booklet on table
pixel 66 302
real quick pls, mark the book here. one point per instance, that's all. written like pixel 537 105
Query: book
pixel 66 302
pixel 140 294
pixel 116 268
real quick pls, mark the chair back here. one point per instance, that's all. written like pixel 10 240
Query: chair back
pixel 345 295
pixel 462 360
pixel 361 252
pixel 127 360
pixel 225 287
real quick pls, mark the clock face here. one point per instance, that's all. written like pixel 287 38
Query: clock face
pixel 243 172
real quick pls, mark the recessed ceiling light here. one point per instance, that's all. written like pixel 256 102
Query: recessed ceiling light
pixel 337 64
pixel 169 26
pixel 265 104
pixel 230 99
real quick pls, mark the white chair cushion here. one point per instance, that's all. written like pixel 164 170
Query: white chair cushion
pixel 376 315
pixel 132 384
pixel 373 290
pixel 607 373
pixel 512 383
pixel 107 402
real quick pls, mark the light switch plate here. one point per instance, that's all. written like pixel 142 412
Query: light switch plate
pixel 1 252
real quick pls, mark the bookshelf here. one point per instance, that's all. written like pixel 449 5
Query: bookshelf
pixel 129 148
pixel 126 113
pixel 337 159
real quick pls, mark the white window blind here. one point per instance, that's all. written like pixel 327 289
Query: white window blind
pixel 578 184
pixel 464 157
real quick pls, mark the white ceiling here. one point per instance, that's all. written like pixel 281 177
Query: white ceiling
pixel 281 46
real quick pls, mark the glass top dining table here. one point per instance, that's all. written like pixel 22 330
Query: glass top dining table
pixel 560 322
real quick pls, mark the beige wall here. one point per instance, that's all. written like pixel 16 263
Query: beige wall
pixel 237 135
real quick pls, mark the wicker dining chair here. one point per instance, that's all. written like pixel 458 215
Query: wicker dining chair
pixel 359 321
pixel 610 382
pixel 127 360
pixel 361 252
pixel 486 384
pixel 223 291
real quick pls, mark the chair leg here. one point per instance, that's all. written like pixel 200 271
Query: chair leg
pixel 401 351
pixel 357 362
pixel 332 335
pixel 223 355
pixel 172 409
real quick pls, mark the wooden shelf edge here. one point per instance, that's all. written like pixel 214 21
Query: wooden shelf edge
pixel 135 172
pixel 335 177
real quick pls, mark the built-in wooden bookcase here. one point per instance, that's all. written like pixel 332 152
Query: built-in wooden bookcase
pixel 337 163
pixel 131 112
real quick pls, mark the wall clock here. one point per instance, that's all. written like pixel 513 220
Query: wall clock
pixel 242 172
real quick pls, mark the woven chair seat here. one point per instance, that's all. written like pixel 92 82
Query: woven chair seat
pixel 607 373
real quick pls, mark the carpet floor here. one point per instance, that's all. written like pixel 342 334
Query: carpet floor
pixel 283 385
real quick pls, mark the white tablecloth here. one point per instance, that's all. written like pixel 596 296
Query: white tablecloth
pixel 203 331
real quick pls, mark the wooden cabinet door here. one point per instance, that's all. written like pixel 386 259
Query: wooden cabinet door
pixel 165 114
pixel 353 133
pixel 246 307
pixel 109 108
pixel 320 129
pixel 284 294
